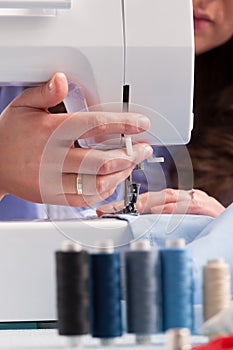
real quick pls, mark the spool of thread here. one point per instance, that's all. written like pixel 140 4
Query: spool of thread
pixel 143 291
pixel 216 287
pixel 106 322
pixel 177 286
pixel 178 339
pixel 72 272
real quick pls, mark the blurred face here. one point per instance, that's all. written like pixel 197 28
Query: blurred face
pixel 213 23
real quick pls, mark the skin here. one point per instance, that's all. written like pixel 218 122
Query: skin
pixel 213 23
pixel 170 201
pixel 38 161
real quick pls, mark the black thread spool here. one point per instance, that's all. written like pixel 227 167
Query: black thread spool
pixel 143 291
pixel 72 271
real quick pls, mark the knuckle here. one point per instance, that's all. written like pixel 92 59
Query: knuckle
pixel 42 91
pixel 100 185
pixel 170 192
pixel 106 167
pixel 168 208
pixel 98 120
pixel 196 204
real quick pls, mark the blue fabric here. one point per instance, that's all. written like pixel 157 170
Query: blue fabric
pixel 214 241
pixel 206 238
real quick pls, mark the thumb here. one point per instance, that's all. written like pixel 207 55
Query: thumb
pixel 46 95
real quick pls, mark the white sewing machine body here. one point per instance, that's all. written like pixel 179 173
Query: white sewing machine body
pixel 84 39
pixel 27 262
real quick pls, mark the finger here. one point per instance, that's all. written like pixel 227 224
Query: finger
pixel 83 201
pixel 79 125
pixel 110 208
pixel 75 200
pixel 197 206
pixel 94 185
pixel 107 123
pixel 92 161
pixel 158 199
pixel 168 195
pixel 143 204
pixel 44 96
pixel 173 208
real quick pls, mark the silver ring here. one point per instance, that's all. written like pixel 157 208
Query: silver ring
pixel 79 184
pixel 191 192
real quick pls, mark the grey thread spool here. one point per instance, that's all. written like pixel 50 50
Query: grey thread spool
pixel 216 287
pixel 72 269
pixel 143 291
pixel 178 339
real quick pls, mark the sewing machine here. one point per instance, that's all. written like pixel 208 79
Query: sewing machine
pixel 102 46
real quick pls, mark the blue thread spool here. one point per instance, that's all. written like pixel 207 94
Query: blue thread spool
pixel 177 286
pixel 106 322
pixel 143 291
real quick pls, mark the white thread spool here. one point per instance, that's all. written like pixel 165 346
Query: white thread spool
pixel 71 246
pixel 175 243
pixel 105 246
pixel 142 245
pixel 216 287
pixel 178 339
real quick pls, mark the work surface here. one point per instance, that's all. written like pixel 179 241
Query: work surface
pixel 45 339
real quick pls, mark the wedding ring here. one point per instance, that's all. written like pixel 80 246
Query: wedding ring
pixel 191 192
pixel 79 185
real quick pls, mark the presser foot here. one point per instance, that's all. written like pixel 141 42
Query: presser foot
pixel 132 197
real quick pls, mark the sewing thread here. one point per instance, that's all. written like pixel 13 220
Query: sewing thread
pixel 106 322
pixel 178 339
pixel 216 287
pixel 143 291
pixel 72 272
pixel 177 286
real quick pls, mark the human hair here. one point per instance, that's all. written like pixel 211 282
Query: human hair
pixel 211 145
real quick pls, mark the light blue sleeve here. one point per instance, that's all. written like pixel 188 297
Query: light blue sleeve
pixel 12 208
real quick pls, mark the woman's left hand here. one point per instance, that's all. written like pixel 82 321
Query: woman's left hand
pixel 170 201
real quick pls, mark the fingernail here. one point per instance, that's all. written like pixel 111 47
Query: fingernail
pixel 148 150
pixel 143 122
pixel 51 83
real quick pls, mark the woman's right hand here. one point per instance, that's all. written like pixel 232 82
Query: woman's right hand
pixel 38 161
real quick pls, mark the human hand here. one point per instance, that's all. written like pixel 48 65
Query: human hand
pixel 38 161
pixel 170 201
